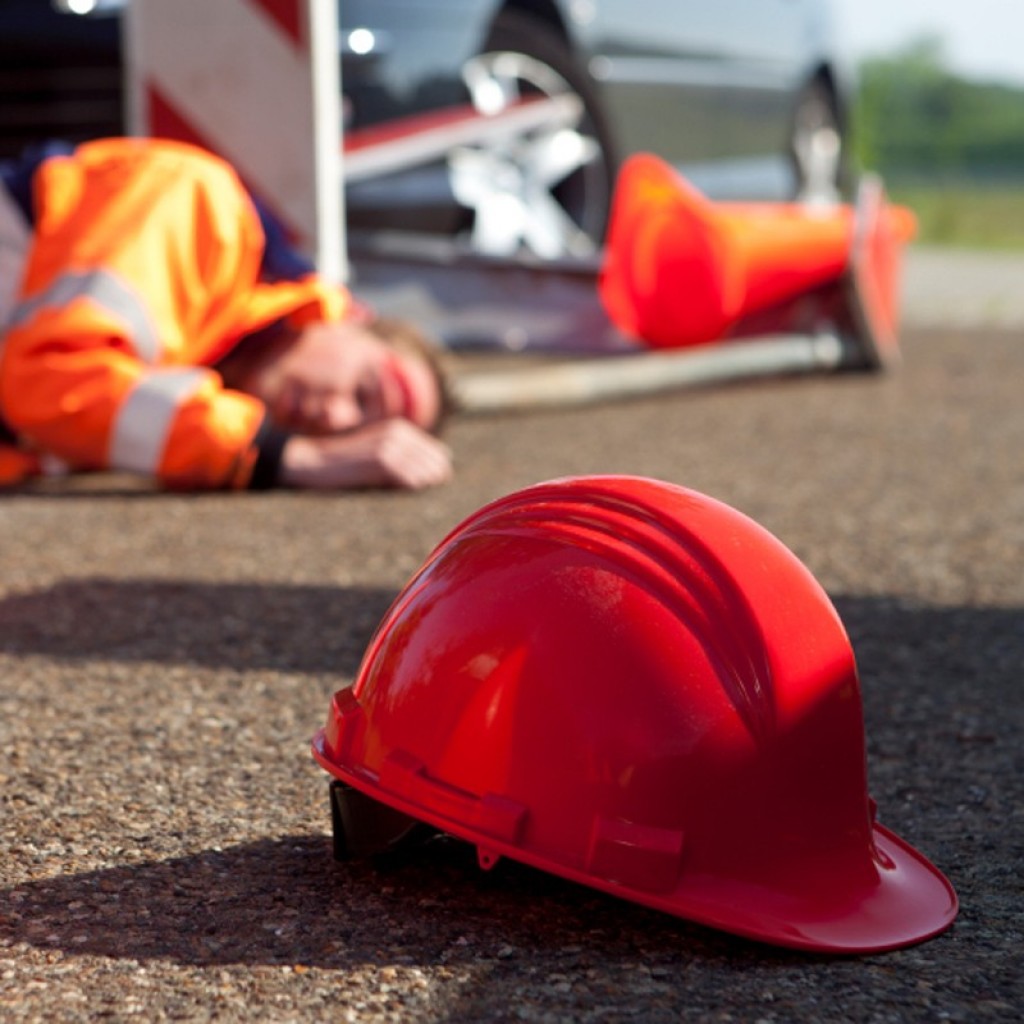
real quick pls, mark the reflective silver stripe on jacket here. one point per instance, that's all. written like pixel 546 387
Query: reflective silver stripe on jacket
pixel 144 422
pixel 109 292
pixel 14 239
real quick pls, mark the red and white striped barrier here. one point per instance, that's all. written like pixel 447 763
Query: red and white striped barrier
pixel 257 81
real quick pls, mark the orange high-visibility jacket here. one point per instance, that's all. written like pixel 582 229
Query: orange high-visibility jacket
pixel 144 270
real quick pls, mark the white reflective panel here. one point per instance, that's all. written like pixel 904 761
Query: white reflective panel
pixel 144 423
pixel 109 292
pixel 14 239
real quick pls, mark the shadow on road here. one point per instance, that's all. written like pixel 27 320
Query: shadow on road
pixel 285 901
pixel 218 625
pixel 943 713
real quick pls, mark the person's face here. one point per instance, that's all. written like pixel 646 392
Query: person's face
pixel 334 377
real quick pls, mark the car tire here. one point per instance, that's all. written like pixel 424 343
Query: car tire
pixel 817 146
pixel 531 52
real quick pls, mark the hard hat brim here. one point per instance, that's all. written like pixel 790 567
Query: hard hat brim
pixel 908 901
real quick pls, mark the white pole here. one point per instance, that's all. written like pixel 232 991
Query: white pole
pixel 329 177
pixel 583 381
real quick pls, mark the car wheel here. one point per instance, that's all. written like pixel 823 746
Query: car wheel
pixel 817 144
pixel 545 190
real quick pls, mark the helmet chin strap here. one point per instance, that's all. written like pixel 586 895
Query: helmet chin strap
pixel 365 828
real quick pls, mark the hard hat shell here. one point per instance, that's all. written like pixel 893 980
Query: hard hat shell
pixel 636 687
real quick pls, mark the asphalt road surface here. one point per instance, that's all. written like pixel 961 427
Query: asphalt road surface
pixel 164 660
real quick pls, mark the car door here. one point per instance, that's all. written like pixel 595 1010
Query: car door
pixel 701 83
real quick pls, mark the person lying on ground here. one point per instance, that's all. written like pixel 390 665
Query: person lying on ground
pixel 161 326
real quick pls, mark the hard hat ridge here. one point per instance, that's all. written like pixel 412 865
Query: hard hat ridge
pixel 673 564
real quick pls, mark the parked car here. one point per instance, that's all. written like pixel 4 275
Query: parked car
pixel 747 97
pixel 60 76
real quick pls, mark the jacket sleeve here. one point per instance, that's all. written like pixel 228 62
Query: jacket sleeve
pixel 145 261
pixel 69 393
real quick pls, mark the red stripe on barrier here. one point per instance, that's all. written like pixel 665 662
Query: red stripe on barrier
pixel 287 15
pixel 167 122
pixel 417 139
pixel 409 127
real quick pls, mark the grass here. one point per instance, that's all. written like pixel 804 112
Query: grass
pixel 966 215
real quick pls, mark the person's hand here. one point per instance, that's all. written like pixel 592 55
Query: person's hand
pixel 388 453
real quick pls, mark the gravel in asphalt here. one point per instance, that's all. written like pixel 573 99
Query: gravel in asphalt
pixel 165 659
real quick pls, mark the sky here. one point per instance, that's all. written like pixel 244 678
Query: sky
pixel 984 38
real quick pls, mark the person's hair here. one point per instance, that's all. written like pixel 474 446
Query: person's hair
pixel 401 335
pixel 404 336
pixel 234 364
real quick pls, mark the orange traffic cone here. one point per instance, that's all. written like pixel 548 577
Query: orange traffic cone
pixel 680 270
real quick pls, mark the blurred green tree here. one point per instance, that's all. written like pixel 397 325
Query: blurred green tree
pixel 916 119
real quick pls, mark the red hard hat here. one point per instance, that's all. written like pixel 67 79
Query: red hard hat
pixel 636 687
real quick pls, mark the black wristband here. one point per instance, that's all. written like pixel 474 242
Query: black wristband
pixel 7 436
pixel 270 441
